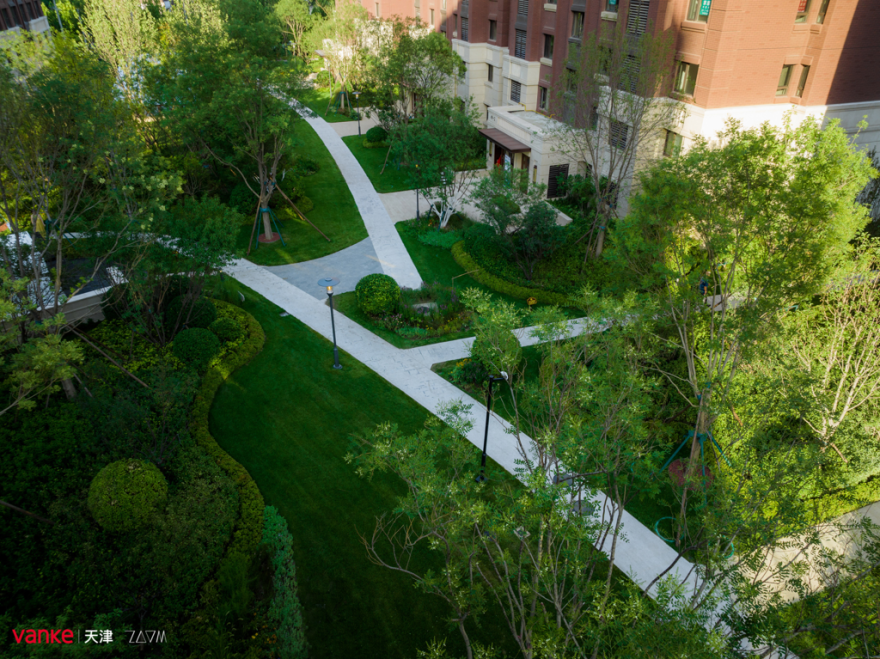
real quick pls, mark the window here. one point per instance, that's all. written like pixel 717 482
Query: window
pixel 619 134
pixel 673 144
pixel 611 5
pixel 784 77
pixel 464 29
pixel 637 16
pixel 802 83
pixel 803 9
pixel 6 22
pixel 491 73
pixel 556 181
pixel 594 118
pixel 523 7
pixel 29 11
pixel 377 11
pixel 629 80
pixel 698 10
pixel 515 91
pixel 542 99
pixel 493 28
pixel 686 78
pixel 820 17
pixel 548 46
pixel 454 25
pixel 577 25
pixel 432 17
pixel 519 46
pixel 442 5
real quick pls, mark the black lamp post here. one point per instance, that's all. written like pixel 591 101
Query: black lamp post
pixel 492 379
pixel 329 284
pixel 357 110
pixel 418 216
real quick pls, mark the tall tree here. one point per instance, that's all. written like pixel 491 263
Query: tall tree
pixel 228 95
pixel 341 38
pixel 614 108
pixel 298 19
pixel 725 237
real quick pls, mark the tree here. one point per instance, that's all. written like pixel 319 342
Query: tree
pixel 525 225
pixel 298 20
pixel 443 142
pixel 726 237
pixel 340 38
pixel 614 110
pixel 228 96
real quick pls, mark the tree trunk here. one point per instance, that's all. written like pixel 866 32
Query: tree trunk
pixel 69 388
pixel 600 241
pixel 267 219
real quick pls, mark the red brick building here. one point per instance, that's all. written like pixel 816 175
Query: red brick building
pixel 749 59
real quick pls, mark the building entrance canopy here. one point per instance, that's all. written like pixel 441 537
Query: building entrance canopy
pixel 505 140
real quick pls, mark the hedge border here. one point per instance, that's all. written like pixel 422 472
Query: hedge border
pixel 248 532
pixel 503 286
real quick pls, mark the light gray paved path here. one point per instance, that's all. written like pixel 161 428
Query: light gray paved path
pixel 642 555
pixel 347 266
pixel 390 251
pixel 346 128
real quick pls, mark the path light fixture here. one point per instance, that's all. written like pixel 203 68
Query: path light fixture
pixel 481 477
pixel 329 284
pixel 357 110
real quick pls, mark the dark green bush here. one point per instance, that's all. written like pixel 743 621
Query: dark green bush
pixel 285 611
pixel 306 167
pixel 125 493
pixel 226 329
pixel 438 238
pixel 377 294
pixel 196 347
pixel 200 313
pixel 376 134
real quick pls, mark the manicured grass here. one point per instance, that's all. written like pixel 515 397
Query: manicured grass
pixel 288 417
pixel 335 213
pixel 392 179
pixel 317 100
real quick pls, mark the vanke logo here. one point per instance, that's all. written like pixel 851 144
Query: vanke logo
pixel 36 636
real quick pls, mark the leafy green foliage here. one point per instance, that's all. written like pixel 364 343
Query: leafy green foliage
pixel 438 238
pixel 181 312
pixel 377 294
pixel 196 347
pixel 285 611
pixel 376 134
pixel 226 329
pixel 125 493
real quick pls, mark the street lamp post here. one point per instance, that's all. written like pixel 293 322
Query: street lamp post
pixel 418 216
pixel 481 477
pixel 357 111
pixel 329 284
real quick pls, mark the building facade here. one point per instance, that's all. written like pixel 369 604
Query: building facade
pixel 748 59
pixel 18 15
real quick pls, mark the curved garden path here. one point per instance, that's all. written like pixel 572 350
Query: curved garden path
pixel 386 242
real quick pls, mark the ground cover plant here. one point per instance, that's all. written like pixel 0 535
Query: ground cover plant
pixel 293 442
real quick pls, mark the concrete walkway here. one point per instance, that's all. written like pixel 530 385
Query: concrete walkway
pixel 347 266
pixel 641 554
pixel 388 246
pixel 347 128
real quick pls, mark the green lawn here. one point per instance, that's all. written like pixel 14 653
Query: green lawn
pixel 288 418
pixel 392 179
pixel 316 100
pixel 335 213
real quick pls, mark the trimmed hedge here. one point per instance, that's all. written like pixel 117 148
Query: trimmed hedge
pixel 202 312
pixel 248 531
pixel 502 285
pixel 196 347
pixel 285 612
pixel 226 329
pixel 376 134
pixel 125 493
pixel 377 294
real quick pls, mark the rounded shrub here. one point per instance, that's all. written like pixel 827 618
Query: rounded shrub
pixel 377 294
pixel 202 312
pixel 124 494
pixel 226 329
pixel 196 347
pixel 376 134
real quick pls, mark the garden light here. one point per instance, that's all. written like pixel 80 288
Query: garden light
pixel 329 284
pixel 481 477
